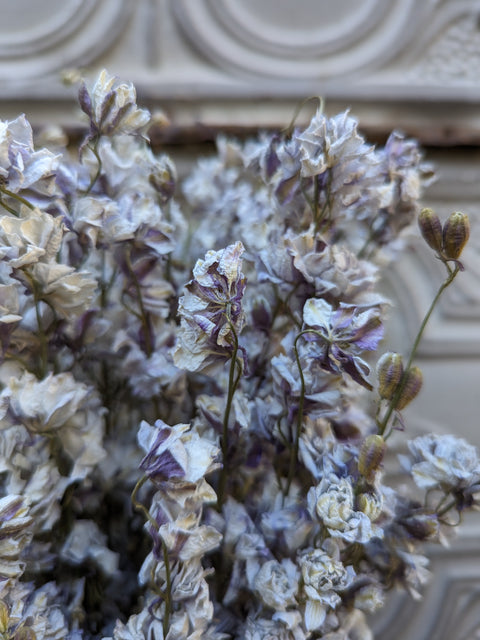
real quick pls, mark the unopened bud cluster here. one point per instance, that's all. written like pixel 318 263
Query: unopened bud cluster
pixel 394 383
pixel 448 241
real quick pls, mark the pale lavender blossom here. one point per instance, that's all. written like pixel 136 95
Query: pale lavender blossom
pixel 32 236
pixel 27 612
pixel 59 404
pixel 21 167
pixel 175 453
pixel 444 461
pixel 211 310
pixel 343 334
pixel 111 106
pixel 276 584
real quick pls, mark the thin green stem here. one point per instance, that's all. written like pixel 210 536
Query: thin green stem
pixel 446 508
pixel 232 385
pixel 168 589
pixel 42 367
pixel 139 506
pixel 16 197
pixel 296 442
pixel 96 176
pixel 394 401
pixel 321 106
pixel 7 208
pixel 319 217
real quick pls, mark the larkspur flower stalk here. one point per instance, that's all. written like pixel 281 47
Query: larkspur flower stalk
pixel 261 505
pixel 212 318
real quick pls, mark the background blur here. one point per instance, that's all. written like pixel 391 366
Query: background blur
pixel 240 65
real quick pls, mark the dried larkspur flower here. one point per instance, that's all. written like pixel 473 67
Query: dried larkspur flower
pixel 211 310
pixel 445 461
pixel 343 334
pixel 177 452
pixel 21 167
pixel 111 106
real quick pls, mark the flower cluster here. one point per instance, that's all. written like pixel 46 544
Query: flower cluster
pixel 195 399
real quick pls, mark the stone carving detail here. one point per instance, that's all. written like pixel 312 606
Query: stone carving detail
pixel 453 56
pixel 450 607
pixel 37 39
pixel 454 328
pixel 307 39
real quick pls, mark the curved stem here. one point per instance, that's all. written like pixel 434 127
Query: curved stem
pixel 139 506
pixel 15 196
pixel 7 208
pixel 296 443
pixel 320 108
pixel 167 594
pixel 168 590
pixel 42 367
pixel 394 401
pixel 232 385
pixel 96 176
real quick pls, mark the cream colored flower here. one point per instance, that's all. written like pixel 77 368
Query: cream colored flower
pixel 276 584
pixel 31 237
pixel 323 577
pixel 68 291
pixel 333 503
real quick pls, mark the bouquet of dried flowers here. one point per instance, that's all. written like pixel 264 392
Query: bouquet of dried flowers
pixel 195 400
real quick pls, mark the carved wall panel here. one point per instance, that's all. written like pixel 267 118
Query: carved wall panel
pixel 371 55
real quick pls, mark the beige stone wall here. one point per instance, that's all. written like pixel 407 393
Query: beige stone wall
pixel 413 64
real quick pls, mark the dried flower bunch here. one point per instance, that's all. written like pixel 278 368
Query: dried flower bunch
pixel 195 400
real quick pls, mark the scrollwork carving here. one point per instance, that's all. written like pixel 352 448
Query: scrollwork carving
pixel 319 40
pixel 36 41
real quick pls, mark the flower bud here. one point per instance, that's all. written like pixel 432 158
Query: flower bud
pixel 431 229
pixel 422 526
pixel 411 387
pixel 370 504
pixel 456 232
pixel 163 179
pixel 389 373
pixel 371 456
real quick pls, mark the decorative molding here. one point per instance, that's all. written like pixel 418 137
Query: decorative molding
pixel 41 39
pixel 450 607
pixel 249 63
pixel 306 41
pixel 454 329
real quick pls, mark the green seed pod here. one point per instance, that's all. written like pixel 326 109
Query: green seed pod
pixel 456 232
pixel 431 229
pixel 371 456
pixel 411 388
pixel 389 374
